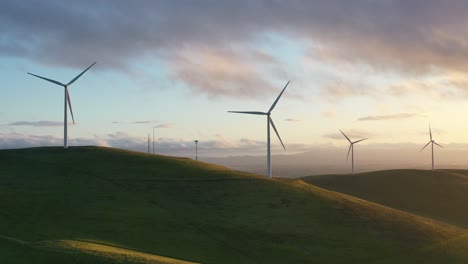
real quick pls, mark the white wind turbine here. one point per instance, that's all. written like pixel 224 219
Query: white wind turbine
pixel 432 146
pixel 269 121
pixel 67 100
pixel 351 148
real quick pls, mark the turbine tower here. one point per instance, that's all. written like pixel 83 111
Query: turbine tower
pixel 351 148
pixel 196 149
pixel 67 101
pixel 269 122
pixel 432 142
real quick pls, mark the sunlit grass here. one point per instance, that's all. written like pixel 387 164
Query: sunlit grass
pixel 113 253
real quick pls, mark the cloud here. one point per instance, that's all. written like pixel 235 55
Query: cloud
pixel 219 73
pixel 15 140
pixel 136 122
pixel 408 37
pixel 338 90
pixel 352 134
pixel 389 117
pixel 387 34
pixel 292 120
pixel 145 122
pixel 37 123
pixel 219 146
pixel 329 114
pixel 435 131
pixel 251 143
pixel 165 125
pixel 333 136
pixel 442 85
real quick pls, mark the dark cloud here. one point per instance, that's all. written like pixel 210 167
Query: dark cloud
pixel 389 117
pixel 37 123
pixel 219 73
pixel 411 37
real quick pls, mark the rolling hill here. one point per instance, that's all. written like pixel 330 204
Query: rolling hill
pixel 441 195
pixel 102 205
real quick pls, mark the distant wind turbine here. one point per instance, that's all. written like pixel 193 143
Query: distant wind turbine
pixel 351 148
pixel 67 100
pixel 432 146
pixel 269 121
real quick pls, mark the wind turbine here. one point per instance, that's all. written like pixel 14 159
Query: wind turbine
pixel 269 121
pixel 67 100
pixel 351 148
pixel 432 146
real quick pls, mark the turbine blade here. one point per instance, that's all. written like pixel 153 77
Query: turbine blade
pixel 248 112
pixel 430 132
pixel 277 99
pixel 359 140
pixel 349 150
pixel 70 106
pixel 79 75
pixel 49 80
pixel 437 144
pixel 276 131
pixel 345 136
pixel 425 146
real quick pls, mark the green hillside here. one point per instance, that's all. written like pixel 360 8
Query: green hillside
pixel 441 195
pixel 101 205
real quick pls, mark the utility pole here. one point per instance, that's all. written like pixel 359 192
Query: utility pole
pixel 148 143
pixel 153 140
pixel 196 149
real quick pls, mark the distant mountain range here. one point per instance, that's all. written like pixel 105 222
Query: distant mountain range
pixel 326 160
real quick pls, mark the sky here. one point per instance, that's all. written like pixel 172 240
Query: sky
pixel 381 69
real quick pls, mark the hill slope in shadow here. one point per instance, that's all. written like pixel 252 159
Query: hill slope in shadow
pixel 441 195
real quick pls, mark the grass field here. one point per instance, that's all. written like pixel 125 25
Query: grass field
pixel 101 205
pixel 441 195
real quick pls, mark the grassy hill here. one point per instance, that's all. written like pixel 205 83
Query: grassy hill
pixel 442 195
pixel 101 205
